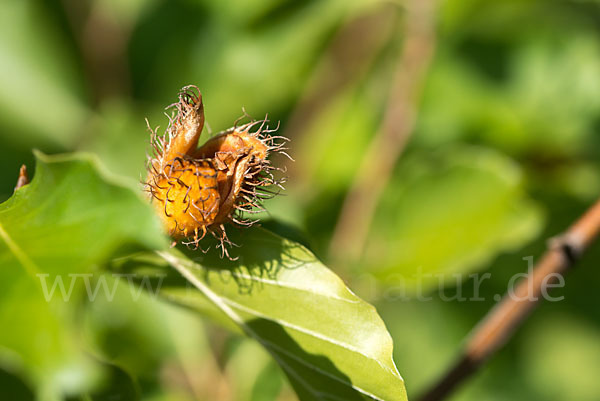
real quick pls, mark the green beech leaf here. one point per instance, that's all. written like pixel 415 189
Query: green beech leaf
pixel 71 218
pixel 448 215
pixel 331 344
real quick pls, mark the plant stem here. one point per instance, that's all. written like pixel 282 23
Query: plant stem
pixel 347 59
pixel 500 323
pixel 102 41
pixel 23 177
pixel 398 124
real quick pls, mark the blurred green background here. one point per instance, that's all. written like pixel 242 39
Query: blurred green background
pixel 504 153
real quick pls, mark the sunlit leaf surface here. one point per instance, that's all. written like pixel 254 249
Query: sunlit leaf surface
pixel 330 343
pixel 54 233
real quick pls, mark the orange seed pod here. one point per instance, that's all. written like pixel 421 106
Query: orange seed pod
pixel 199 190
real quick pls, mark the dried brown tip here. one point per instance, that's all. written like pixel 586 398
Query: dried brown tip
pixel 186 124
pixel 23 177
pixel 187 127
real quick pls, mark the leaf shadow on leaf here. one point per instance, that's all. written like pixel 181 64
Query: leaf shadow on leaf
pixel 250 296
pixel 314 377
pixel 254 259
pixel 288 231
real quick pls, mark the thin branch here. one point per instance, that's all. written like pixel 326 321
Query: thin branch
pixel 398 124
pixel 347 58
pixel 502 320
pixel 102 40
pixel 23 177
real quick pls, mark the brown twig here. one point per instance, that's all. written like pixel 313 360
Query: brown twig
pixel 398 123
pixel 347 58
pixel 102 40
pixel 501 321
pixel 23 177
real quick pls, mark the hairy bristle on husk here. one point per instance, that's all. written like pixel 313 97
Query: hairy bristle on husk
pixel 199 190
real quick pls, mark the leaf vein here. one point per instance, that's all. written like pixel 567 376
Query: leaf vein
pixel 28 264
